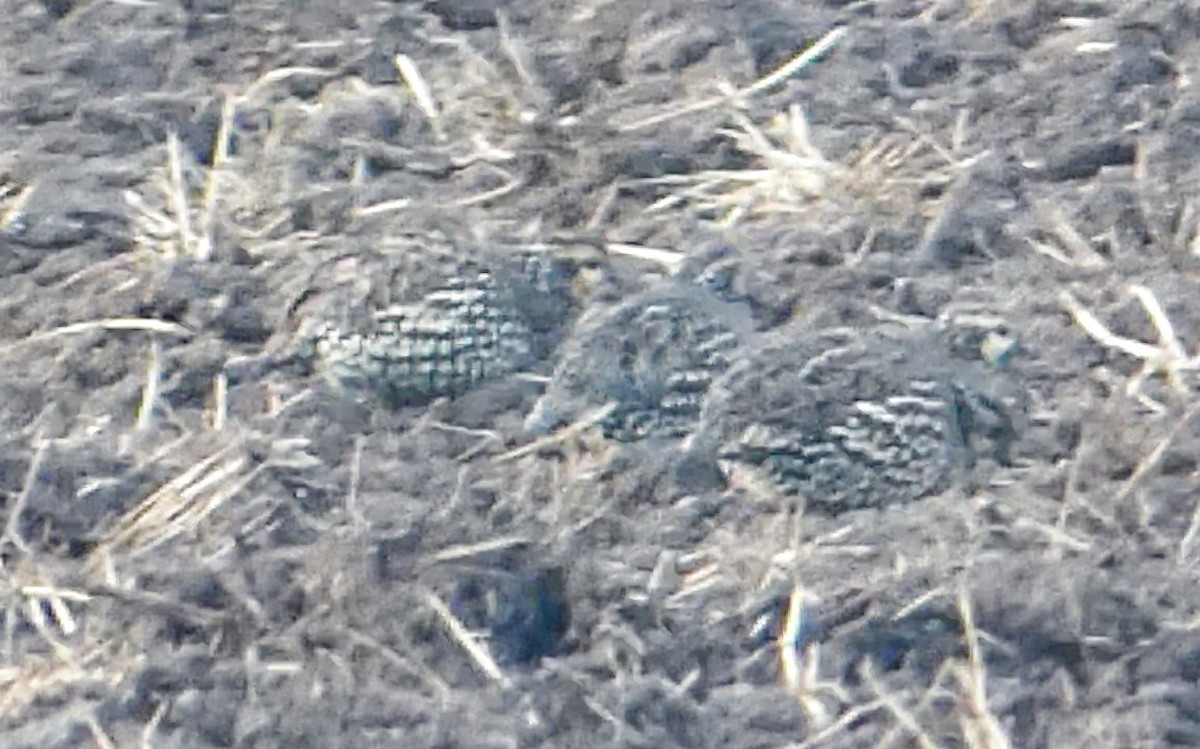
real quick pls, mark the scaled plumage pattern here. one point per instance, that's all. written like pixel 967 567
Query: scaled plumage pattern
pixel 850 419
pixel 486 319
pixel 652 357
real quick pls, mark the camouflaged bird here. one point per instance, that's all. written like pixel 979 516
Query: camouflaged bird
pixel 652 358
pixel 489 314
pixel 854 419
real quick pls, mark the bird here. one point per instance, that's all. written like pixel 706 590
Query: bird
pixel 650 358
pixel 487 315
pixel 852 418
pixel 717 265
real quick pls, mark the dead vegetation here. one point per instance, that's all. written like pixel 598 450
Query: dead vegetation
pixel 183 210
pixel 90 617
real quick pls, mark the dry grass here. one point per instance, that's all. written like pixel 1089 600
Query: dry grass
pixel 73 648
pixel 791 175
pixel 181 206
pixel 471 645
pixel 86 634
pixel 37 679
pixel 473 113
pixel 884 179
pixel 13 196
pixel 178 507
pixel 1167 356
pixel 67 652
pixel 177 213
pixel 785 547
pixel 472 116
pixel 792 67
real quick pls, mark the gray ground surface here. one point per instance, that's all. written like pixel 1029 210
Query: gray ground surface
pixel 274 580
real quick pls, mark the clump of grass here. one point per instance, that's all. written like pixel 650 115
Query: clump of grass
pixel 887 179
pixel 1167 356
pixel 175 218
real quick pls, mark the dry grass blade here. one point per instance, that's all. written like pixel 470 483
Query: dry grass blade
pixel 981 729
pixel 149 399
pixel 13 198
pixel 904 717
pixel 387 206
pixel 789 174
pixel 787 70
pixel 156 603
pixel 409 666
pixel 1078 251
pixel 466 551
pixel 177 196
pixel 798 660
pixel 38 679
pixel 220 404
pixel 164 218
pixel 843 723
pixel 99 735
pixel 271 77
pixel 114 324
pixel 478 653
pixel 421 92
pixel 213 182
pixel 176 508
pixel 1154 457
pixel 12 526
pixel 664 258
pixel 44 606
pixel 569 432
pixel 35 614
pixel 695 582
pixel 1162 323
pixel 1168 357
pixel 1097 330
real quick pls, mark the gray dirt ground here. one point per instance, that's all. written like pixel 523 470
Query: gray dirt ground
pixel 273 581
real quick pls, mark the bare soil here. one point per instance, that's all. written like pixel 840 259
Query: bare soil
pixel 203 550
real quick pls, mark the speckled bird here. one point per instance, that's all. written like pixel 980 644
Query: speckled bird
pixel 854 419
pixel 488 315
pixel 652 357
